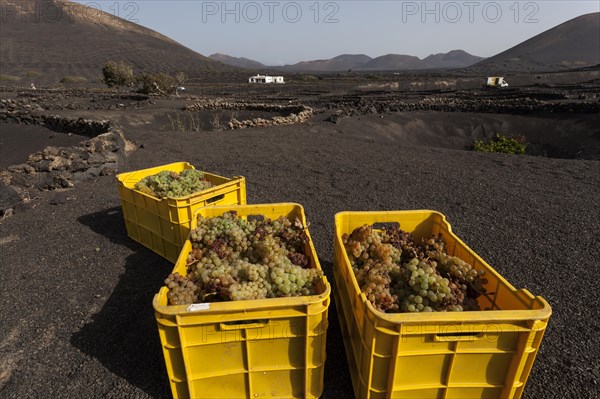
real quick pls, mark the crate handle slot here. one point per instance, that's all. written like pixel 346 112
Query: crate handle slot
pixel 458 337
pixel 387 225
pixel 257 218
pixel 243 325
pixel 215 199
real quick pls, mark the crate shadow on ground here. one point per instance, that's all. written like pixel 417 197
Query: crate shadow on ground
pixel 123 335
pixel 338 383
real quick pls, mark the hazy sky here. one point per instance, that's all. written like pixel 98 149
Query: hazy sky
pixel 285 32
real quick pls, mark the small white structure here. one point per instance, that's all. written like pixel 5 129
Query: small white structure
pixel 265 79
pixel 496 81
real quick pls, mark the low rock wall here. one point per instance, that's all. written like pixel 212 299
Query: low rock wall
pixel 295 113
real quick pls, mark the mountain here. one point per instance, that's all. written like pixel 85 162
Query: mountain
pixel 389 62
pixel 50 39
pixel 452 59
pixel 572 44
pixel 239 62
pixel 341 63
pixel 394 62
pixel 356 59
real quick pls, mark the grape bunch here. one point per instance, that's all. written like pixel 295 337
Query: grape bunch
pixel 236 259
pixel 172 184
pixel 398 274
pixel 182 289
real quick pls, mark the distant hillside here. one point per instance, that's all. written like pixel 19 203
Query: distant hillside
pixel 573 44
pixel 341 63
pixel 70 39
pixel 356 59
pixel 239 62
pixel 452 59
pixel 389 62
pixel 394 62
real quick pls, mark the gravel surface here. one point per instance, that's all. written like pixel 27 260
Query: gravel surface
pixel 76 318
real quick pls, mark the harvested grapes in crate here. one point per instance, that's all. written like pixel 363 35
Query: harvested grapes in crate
pixel 159 203
pixel 385 276
pixel 399 274
pixel 233 258
pixel 169 184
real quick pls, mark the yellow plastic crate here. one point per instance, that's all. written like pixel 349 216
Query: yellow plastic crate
pixel 265 348
pixel 478 354
pixel 162 225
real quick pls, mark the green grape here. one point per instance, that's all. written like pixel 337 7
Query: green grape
pixel 236 259
pixel 171 184
pixel 400 275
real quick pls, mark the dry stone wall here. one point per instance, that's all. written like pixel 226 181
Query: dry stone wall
pixel 59 167
pixel 295 113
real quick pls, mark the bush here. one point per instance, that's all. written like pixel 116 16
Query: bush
pixel 73 79
pixel 184 122
pixel 33 74
pixel 374 76
pixel 9 78
pixel 157 84
pixel 308 78
pixel 118 74
pixel 181 78
pixel 502 144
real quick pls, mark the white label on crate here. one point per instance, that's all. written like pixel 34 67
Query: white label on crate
pixel 198 306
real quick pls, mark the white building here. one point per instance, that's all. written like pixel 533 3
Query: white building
pixel 265 79
pixel 496 81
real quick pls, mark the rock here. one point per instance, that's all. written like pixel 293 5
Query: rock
pixel 108 169
pixel 23 180
pixel 111 147
pixel 35 158
pixel 78 165
pixel 97 145
pixel 96 159
pixel 61 179
pixel 8 198
pixel 336 116
pixel 59 198
pixel 44 181
pixel 93 172
pixel 22 167
pixel 81 176
pixel 53 151
pixel 42 166
pixel 60 163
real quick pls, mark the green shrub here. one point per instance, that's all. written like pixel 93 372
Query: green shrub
pixel 118 74
pixel 502 144
pixel 374 76
pixel 33 74
pixel 157 83
pixel 9 78
pixel 73 79
pixel 308 78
